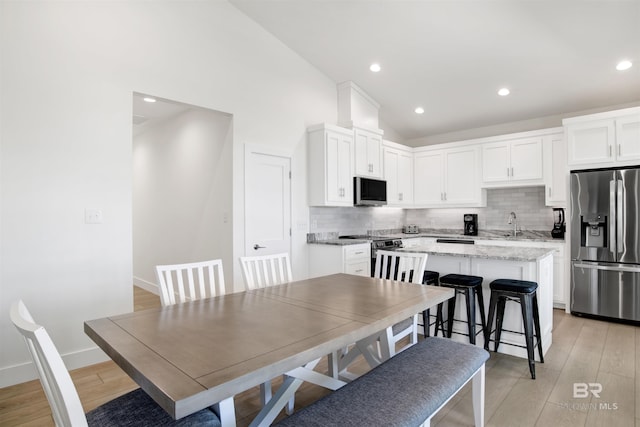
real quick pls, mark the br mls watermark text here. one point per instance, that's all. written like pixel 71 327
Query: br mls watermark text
pixel 584 391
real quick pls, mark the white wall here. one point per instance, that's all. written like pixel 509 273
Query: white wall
pixel 68 73
pixel 182 199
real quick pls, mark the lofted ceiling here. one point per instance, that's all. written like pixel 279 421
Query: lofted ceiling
pixel 451 57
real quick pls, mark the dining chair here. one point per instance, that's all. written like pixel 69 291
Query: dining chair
pixel 262 271
pixel 132 408
pixel 266 270
pixel 192 281
pixel 404 267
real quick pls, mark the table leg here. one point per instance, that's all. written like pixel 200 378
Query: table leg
pixel 226 411
pixel 292 381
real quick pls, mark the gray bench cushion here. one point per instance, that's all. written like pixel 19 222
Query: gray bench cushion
pixel 403 391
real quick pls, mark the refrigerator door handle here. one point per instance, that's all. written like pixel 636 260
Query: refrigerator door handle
pixel 612 217
pixel 620 216
pixel 596 266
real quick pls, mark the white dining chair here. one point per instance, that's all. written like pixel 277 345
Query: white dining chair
pixel 404 267
pixel 262 271
pixel 266 270
pixel 188 282
pixel 63 397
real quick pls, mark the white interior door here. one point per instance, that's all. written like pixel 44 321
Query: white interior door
pixel 267 203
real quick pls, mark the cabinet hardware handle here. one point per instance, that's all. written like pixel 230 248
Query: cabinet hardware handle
pixel 358 253
pixel 508 172
pixel 445 196
pixel 619 150
pixel 511 172
pixel 359 271
pixel 609 151
pixel 549 191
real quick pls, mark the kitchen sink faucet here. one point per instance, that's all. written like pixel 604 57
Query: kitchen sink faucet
pixel 512 220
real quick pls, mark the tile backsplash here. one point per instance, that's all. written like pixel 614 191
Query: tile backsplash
pixel 526 202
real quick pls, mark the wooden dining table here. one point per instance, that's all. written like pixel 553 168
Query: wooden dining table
pixel 189 356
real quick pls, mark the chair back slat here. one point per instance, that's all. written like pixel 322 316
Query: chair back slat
pixel 189 282
pixel 401 266
pixel 266 270
pixel 61 393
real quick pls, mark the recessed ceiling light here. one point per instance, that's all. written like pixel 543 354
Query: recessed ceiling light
pixel 504 92
pixel 375 67
pixel 419 110
pixel 148 99
pixel 624 65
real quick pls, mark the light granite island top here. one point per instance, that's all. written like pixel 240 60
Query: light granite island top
pixel 482 251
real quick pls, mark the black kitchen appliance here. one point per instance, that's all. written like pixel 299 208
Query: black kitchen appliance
pixel 470 224
pixel 558 224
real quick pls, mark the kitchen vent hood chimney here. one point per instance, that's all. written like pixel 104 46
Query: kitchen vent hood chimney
pixel 356 108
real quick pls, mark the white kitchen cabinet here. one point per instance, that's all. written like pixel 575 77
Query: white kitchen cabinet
pixel 556 172
pixel 331 259
pixel 368 153
pixel 447 178
pixel 330 166
pixel 604 140
pixel 516 162
pixel 398 172
pixel 560 265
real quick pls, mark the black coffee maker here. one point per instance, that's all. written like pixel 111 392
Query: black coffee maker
pixel 558 224
pixel 470 224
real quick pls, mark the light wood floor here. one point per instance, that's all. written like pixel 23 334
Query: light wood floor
pixel 583 351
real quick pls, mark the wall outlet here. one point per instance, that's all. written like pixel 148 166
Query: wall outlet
pixel 92 216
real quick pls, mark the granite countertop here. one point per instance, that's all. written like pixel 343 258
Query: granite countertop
pixel 331 238
pixel 482 251
pixel 525 235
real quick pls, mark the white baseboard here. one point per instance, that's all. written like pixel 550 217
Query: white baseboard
pixel 17 374
pixel 146 285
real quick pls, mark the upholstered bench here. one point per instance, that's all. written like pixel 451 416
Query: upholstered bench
pixel 406 390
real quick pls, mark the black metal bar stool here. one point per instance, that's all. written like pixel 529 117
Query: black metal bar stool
pixel 471 288
pixel 524 293
pixel 432 278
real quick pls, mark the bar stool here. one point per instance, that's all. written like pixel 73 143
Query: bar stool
pixel 524 293
pixel 471 288
pixel 432 278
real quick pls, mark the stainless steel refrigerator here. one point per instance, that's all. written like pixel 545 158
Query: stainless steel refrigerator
pixel 605 243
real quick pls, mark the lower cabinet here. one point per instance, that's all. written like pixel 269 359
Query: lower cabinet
pixel 331 259
pixel 560 266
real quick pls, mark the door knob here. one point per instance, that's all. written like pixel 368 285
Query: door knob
pixel 257 246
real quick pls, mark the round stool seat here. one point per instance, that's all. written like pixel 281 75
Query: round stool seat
pixel 461 280
pixel 513 285
pixel 430 277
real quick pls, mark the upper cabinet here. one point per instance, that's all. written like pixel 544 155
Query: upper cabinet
pixel 330 165
pixel 368 153
pixel 398 172
pixel 604 139
pixel 513 162
pixel 555 170
pixel 447 177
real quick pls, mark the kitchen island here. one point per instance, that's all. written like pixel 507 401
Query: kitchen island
pixel 491 263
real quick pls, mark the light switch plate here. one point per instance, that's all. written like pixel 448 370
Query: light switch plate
pixel 92 216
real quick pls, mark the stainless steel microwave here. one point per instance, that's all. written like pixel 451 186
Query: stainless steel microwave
pixel 369 191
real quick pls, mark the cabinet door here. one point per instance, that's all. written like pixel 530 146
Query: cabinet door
pixel 628 138
pixel 338 169
pixel 461 181
pixel 526 159
pixel 495 162
pixel 405 178
pixel 557 175
pixel 368 152
pixel 428 170
pixel 590 142
pixel 391 166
